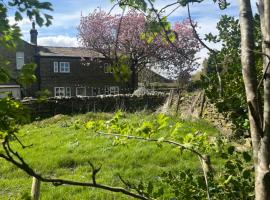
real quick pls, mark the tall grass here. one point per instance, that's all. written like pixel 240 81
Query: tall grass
pixel 62 148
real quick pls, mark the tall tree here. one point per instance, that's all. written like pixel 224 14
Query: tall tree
pixel 125 38
pixel 232 102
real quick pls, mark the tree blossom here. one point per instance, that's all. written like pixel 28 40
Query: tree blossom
pixel 126 38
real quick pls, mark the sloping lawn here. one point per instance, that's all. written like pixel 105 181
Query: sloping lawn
pixel 62 148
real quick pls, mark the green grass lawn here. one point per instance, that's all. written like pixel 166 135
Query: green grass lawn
pixel 62 148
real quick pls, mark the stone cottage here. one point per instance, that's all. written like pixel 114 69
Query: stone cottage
pixel 64 71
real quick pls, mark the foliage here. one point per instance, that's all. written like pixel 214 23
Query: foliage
pixel 152 169
pixel 234 180
pixel 43 95
pixel 232 102
pixel 10 33
pixel 62 148
pixel 11 112
pixel 143 4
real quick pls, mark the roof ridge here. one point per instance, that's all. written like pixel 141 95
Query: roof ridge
pixel 61 47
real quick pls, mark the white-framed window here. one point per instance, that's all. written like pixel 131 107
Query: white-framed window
pixel 55 67
pixel 59 91
pixel 19 59
pixel 68 92
pixel 64 67
pixel 80 91
pixel 114 90
pixel 107 90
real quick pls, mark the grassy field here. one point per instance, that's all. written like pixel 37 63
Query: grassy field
pixel 62 148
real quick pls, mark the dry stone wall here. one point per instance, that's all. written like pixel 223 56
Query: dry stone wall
pixel 108 103
pixel 195 105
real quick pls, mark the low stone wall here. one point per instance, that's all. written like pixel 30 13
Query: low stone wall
pixel 190 107
pixel 109 103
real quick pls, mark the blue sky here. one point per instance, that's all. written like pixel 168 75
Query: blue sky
pixel 63 31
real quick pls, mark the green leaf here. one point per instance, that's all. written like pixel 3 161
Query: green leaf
pixel 246 156
pixel 230 165
pixel 231 150
pixel 18 16
pixel 246 174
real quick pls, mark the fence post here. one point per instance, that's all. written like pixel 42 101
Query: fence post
pixel 35 191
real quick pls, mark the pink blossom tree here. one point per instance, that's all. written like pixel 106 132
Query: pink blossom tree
pixel 126 39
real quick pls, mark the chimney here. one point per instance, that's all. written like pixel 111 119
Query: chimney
pixel 33 34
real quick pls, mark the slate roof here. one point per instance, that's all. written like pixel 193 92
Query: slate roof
pixel 76 52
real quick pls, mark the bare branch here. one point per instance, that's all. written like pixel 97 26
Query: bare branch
pixel 266 69
pixel 94 171
pixel 196 35
pixel 113 7
pixel 167 6
pixel 117 35
pixel 214 52
pixel 173 10
pixel 19 141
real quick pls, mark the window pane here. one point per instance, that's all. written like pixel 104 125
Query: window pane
pixel 59 91
pixel 114 90
pixel 55 64
pixel 81 91
pixel 19 59
pixel 107 90
pixel 64 67
pixel 62 92
pixel 68 92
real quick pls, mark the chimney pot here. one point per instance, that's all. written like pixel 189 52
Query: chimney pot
pixel 33 34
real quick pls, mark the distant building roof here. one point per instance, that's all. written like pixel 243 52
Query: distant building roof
pixel 9 86
pixel 76 52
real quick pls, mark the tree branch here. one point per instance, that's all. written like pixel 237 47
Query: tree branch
pixel 20 163
pixel 154 140
pixel 173 10
pixel 166 31
pixel 113 7
pixel 201 157
pixel 214 52
pixel 266 69
pixel 167 6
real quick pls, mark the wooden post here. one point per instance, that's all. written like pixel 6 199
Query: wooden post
pixel 35 192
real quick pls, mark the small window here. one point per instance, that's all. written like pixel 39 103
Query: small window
pixel 59 91
pixel 114 90
pixel 64 67
pixel 55 67
pixel 19 60
pixel 80 91
pixel 107 90
pixel 68 92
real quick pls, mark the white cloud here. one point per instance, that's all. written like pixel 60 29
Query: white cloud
pixel 24 22
pixel 58 41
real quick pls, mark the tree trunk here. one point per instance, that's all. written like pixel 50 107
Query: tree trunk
pixel 259 135
pixel 134 78
pixel 264 152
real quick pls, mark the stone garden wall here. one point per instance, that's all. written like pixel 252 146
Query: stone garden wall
pixel 109 103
